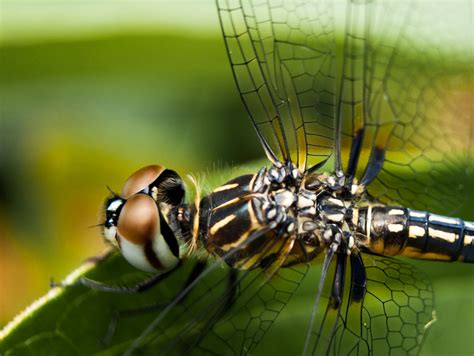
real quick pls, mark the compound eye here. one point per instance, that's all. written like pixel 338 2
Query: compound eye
pixel 145 240
pixel 139 220
pixel 140 180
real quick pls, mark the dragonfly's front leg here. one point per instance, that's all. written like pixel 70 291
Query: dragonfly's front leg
pixel 113 288
pixel 197 270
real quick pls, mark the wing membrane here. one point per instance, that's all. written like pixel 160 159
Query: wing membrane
pixel 282 56
pixel 410 77
pixel 221 311
pixel 382 87
pixel 205 325
pixel 389 316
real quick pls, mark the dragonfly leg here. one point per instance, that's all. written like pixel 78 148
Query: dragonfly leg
pixel 111 288
pixel 118 314
pixel 94 260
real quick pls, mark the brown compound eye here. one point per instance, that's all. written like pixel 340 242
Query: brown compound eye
pixel 144 239
pixel 140 180
pixel 139 220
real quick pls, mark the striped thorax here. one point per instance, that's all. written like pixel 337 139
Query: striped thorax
pixel 272 216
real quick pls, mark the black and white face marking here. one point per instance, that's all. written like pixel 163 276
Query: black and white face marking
pixel 136 223
pixel 113 206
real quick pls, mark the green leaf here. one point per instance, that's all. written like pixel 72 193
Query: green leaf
pixel 72 320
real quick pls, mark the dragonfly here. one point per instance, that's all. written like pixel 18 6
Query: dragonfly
pixel 363 115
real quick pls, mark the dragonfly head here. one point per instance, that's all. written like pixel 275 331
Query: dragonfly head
pixel 138 220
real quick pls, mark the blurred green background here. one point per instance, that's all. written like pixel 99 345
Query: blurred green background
pixel 91 91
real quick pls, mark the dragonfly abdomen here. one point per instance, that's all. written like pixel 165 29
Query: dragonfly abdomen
pixel 390 230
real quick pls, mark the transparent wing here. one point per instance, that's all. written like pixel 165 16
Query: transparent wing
pixel 406 98
pixel 217 321
pixel 383 88
pixel 282 57
pixel 384 307
pixel 387 314
pixel 213 320
pixel 222 310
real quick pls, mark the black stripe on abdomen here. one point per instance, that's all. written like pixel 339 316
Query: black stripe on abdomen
pixel 434 237
pixel 416 234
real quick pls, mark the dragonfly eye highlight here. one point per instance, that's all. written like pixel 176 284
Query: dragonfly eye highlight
pixel 140 180
pixel 163 185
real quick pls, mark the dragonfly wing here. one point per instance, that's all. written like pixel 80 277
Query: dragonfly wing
pixel 386 308
pixel 415 78
pixel 398 306
pixel 223 310
pixel 282 57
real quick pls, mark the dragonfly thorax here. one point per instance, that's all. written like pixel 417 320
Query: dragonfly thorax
pixel 324 211
pixel 297 216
